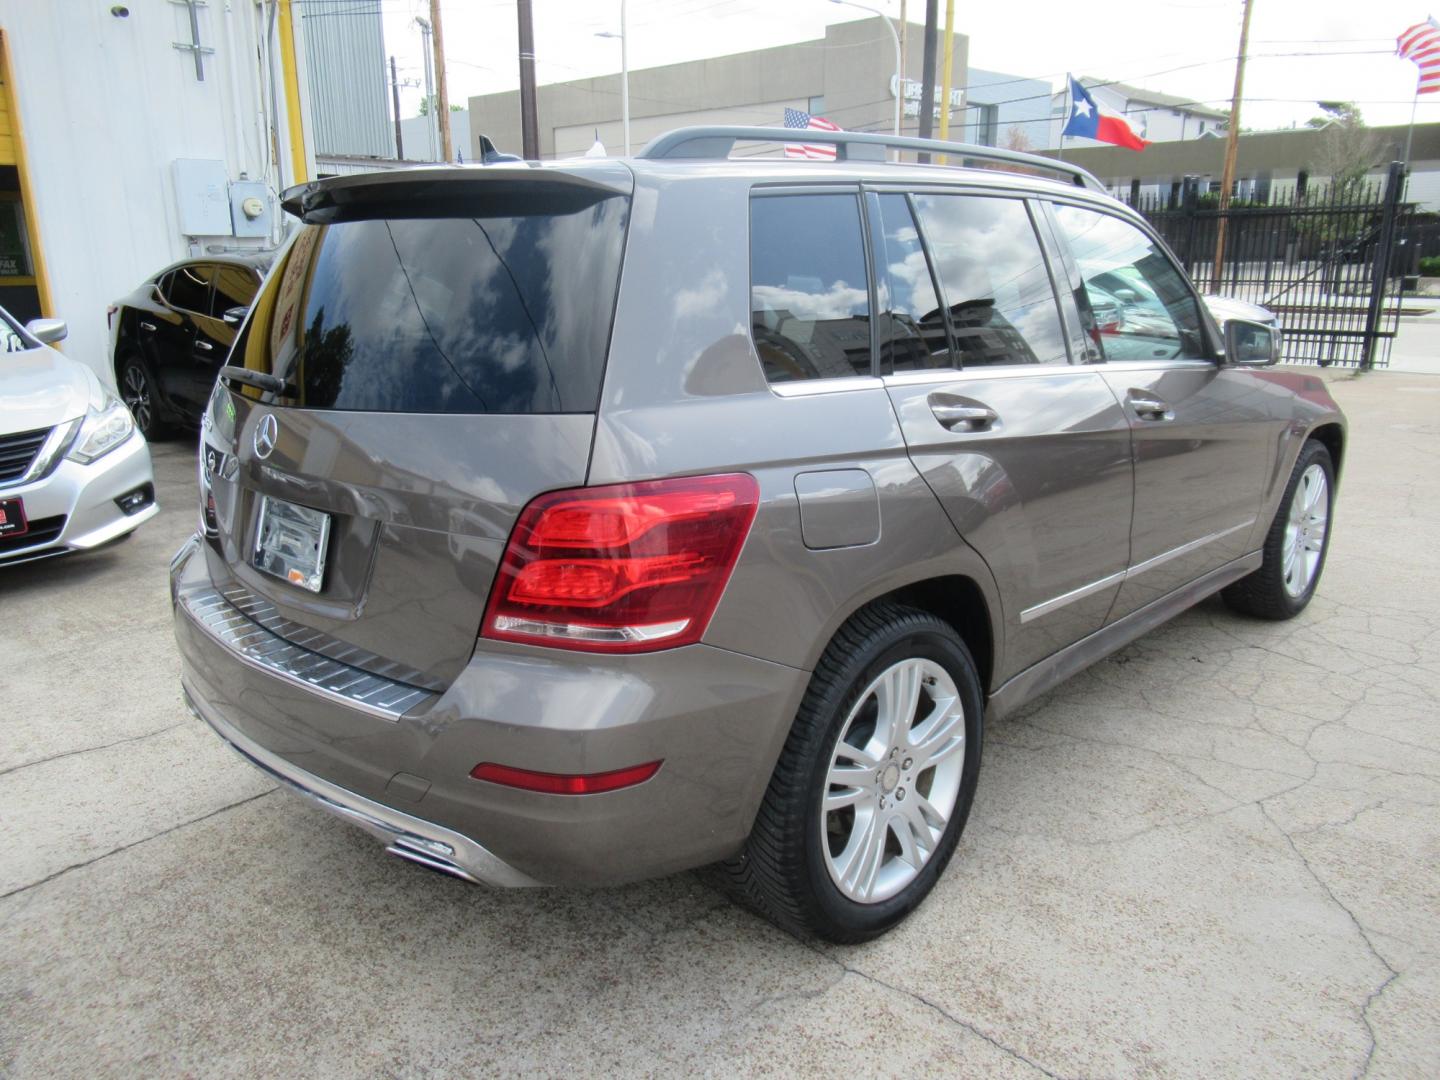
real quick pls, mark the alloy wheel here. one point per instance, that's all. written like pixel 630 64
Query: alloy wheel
pixel 893 781
pixel 1305 530
pixel 136 395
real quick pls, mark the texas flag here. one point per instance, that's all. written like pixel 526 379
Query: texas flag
pixel 1089 121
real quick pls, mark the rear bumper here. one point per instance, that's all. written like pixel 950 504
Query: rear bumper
pixel 403 834
pixel 716 719
pixel 77 503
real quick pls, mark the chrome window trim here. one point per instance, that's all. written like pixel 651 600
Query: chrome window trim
pixel 1046 607
pixel 841 385
pixel 264 651
pixel 999 371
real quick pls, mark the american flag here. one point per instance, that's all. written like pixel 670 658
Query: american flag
pixel 803 121
pixel 1420 43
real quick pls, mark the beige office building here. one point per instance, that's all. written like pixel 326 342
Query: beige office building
pixel 848 76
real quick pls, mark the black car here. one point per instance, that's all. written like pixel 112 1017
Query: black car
pixel 172 334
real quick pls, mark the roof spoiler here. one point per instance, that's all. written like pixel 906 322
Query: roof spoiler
pixel 452 190
pixel 715 143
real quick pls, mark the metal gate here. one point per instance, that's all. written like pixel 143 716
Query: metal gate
pixel 1325 260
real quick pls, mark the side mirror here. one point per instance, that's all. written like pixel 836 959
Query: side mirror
pixel 236 315
pixel 1251 344
pixel 47 331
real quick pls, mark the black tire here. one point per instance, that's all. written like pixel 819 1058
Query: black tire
pixel 133 380
pixel 782 872
pixel 1263 593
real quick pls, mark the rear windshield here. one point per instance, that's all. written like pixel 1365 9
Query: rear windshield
pixel 483 314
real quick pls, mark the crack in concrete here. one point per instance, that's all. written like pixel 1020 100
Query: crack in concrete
pixel 133 844
pixel 89 749
pixel 915 995
pixel 1391 973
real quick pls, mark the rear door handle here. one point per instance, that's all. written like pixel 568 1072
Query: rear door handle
pixel 148 326
pixel 203 345
pixel 1149 407
pixel 964 417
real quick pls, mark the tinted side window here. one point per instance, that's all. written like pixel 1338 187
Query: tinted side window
pixel 809 295
pixel 1143 307
pixel 911 322
pixel 1002 307
pixel 234 287
pixel 188 288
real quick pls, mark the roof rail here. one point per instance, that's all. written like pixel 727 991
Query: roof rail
pixel 712 143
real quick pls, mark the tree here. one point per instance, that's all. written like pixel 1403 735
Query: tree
pixel 1346 150
pixel 1016 139
pixel 427 103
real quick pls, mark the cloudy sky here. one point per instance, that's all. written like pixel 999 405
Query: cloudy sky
pixel 1301 51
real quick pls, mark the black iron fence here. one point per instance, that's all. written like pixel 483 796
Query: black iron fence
pixel 1329 260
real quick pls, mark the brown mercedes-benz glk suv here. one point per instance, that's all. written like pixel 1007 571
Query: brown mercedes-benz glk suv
pixel 579 523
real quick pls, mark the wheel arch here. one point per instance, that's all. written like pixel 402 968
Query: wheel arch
pixel 1331 436
pixel 958 599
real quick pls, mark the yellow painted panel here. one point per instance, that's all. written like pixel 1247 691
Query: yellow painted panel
pixel 7 150
pixel 16 151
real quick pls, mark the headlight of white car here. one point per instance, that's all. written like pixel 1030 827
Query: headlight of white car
pixel 103 430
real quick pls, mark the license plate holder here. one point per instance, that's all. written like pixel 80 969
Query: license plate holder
pixel 12 517
pixel 290 542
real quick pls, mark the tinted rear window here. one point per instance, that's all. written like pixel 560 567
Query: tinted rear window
pixel 497 314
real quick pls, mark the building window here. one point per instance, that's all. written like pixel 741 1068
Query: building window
pixel 987 125
pixel 816 106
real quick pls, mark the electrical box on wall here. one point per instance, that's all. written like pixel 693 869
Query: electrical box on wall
pixel 250 208
pixel 201 196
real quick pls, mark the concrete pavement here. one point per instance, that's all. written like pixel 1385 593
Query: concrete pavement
pixel 1215 854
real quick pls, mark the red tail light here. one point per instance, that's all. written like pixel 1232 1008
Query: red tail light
pixel 626 568
pixel 565 783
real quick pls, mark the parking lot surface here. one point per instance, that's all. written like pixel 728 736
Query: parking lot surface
pixel 1216 853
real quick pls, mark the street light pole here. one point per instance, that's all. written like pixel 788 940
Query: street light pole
pixel 624 78
pixel 430 128
pixel 899 64
pixel 624 74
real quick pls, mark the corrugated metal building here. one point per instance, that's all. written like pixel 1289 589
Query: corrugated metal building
pixel 346 78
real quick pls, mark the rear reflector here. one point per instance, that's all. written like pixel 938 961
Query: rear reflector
pixel 565 783
pixel 624 568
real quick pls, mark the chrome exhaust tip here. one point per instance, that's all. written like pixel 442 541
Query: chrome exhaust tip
pixel 427 854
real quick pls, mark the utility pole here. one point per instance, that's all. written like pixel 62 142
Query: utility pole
pixel 442 107
pixel 529 124
pixel 927 77
pixel 395 100
pixel 948 68
pixel 1232 148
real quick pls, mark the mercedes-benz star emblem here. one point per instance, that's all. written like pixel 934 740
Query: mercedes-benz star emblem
pixel 266 432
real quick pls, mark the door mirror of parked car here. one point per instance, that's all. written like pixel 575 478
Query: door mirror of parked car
pixel 47 331
pixel 236 315
pixel 1251 344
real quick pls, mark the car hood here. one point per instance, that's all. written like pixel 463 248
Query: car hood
pixel 40 388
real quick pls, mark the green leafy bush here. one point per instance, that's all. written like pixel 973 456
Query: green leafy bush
pixel 1430 266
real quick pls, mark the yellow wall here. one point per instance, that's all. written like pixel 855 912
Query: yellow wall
pixel 12 152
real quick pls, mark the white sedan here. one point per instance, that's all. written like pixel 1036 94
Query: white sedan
pixel 74 472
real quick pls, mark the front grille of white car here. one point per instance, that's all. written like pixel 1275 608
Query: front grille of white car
pixel 18 451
